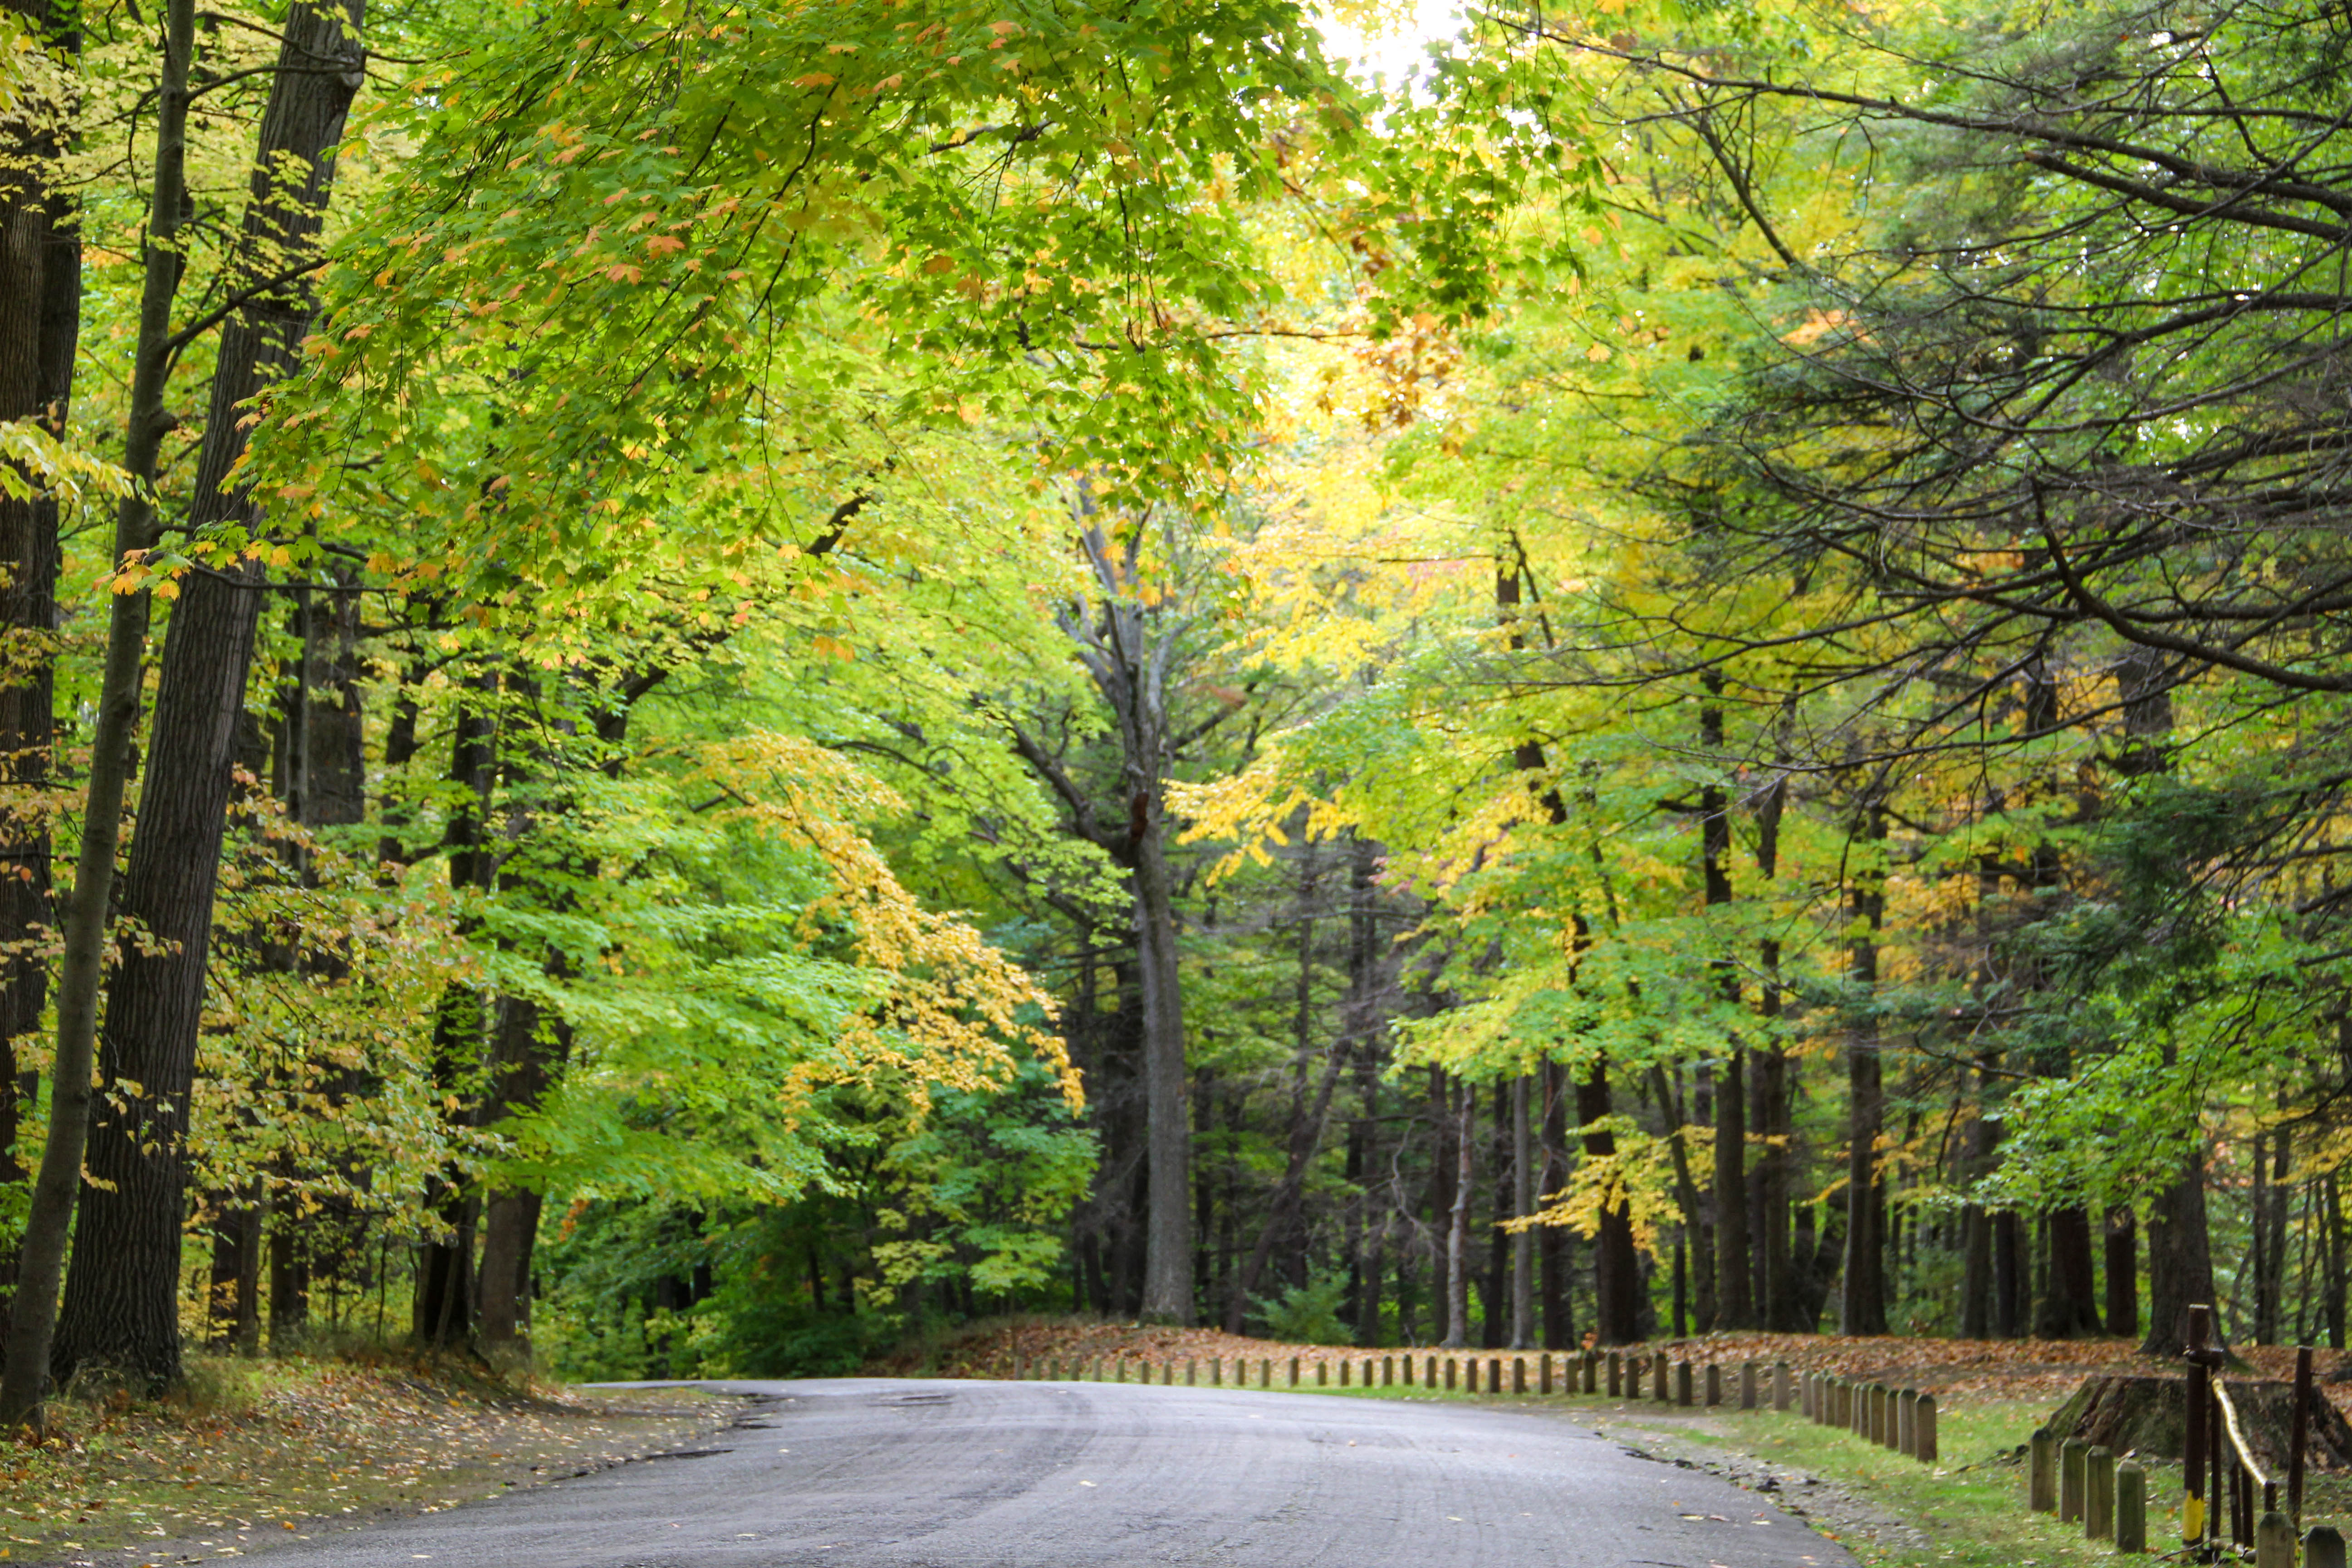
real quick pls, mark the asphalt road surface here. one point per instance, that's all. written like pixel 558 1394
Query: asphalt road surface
pixel 872 1473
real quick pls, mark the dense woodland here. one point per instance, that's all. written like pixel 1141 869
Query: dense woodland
pixel 690 686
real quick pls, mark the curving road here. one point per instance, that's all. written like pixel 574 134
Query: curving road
pixel 870 1473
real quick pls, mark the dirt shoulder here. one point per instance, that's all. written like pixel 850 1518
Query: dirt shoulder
pixel 269 1452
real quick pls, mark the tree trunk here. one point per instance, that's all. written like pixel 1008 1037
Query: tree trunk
pixel 1457 1223
pixel 1442 1166
pixel 1616 1266
pixel 1863 1299
pixel 2068 1304
pixel 1782 1296
pixel 441 1310
pixel 1168 1240
pixel 528 1047
pixel 40 327
pixel 2011 1289
pixel 1553 1240
pixel 2123 1272
pixel 121 1302
pixel 2180 1256
pixel 49 1218
pixel 1734 1302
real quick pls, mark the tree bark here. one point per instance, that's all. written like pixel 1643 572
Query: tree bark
pixel 1552 1240
pixel 441 1310
pixel 49 1219
pixel 120 1303
pixel 2068 1304
pixel 1457 1223
pixel 1734 1301
pixel 2123 1272
pixel 1616 1268
pixel 40 327
pixel 1861 1296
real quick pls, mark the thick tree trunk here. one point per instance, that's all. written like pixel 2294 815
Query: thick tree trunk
pixel 120 1303
pixel 40 326
pixel 530 1045
pixel 49 1218
pixel 2068 1304
pixel 2180 1259
pixel 234 1305
pixel 1167 1237
pixel 2123 1272
pixel 1616 1266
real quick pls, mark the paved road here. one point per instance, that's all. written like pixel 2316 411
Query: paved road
pixel 870 1473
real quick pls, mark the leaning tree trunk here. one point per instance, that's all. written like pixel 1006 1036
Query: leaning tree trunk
pixel 49 1217
pixel 121 1297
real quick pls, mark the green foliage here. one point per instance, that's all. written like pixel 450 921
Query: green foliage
pixel 1307 1314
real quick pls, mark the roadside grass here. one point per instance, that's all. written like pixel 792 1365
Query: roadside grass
pixel 1969 1510
pixel 287 1447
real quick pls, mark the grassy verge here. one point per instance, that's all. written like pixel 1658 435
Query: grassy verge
pixel 1966 1511
pixel 258 1452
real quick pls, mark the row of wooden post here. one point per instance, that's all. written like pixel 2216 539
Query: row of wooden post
pixel 1903 1419
pixel 2083 1485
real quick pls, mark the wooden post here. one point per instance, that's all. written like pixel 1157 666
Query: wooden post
pixel 1387 1370
pixel 1683 1383
pixel 1294 1372
pixel 2193 1462
pixel 1923 1434
pixel 1494 1374
pixel 1880 1420
pixel 2099 1495
pixel 1616 1375
pixel 2131 1507
pixel 1591 1371
pixel 1323 1371
pixel 1449 1375
pixel 1216 1371
pixel 1747 1385
pixel 1714 1384
pixel 1544 1367
pixel 1805 1395
pixel 1781 1392
pixel 1167 1374
pixel 1429 1373
pixel 1658 1380
pixel 2274 1542
pixel 2072 1454
pixel 2041 1483
pixel 1906 1422
pixel 2299 1436
pixel 1189 1381
pixel 1343 1371
pixel 1520 1373
pixel 2323 1547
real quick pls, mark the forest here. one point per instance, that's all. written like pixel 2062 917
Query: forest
pixel 691 686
